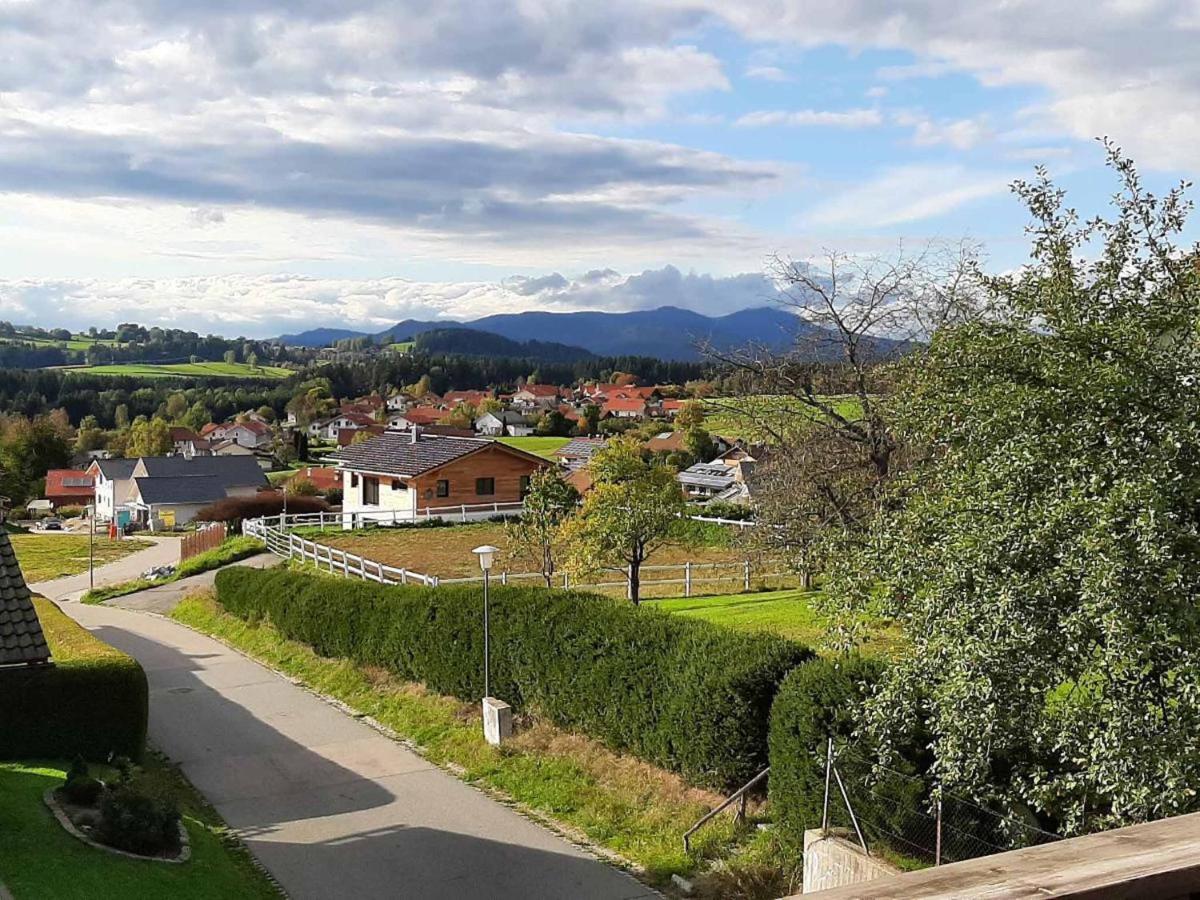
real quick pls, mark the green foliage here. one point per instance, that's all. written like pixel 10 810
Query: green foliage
pixel 627 515
pixel 80 787
pixel 137 821
pixel 230 550
pixel 149 438
pixel 820 699
pixel 28 448
pixel 1046 560
pixel 535 536
pixel 553 424
pixel 683 694
pixel 92 702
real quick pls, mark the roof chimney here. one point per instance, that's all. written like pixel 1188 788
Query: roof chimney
pixel 414 432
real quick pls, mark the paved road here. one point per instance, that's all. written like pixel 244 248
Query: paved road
pixel 165 597
pixel 165 552
pixel 331 807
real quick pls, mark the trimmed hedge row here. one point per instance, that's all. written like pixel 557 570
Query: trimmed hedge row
pixel 92 702
pixel 683 694
pixel 817 699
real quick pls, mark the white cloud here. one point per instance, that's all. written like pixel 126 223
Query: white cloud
pixel 961 134
pixel 799 118
pixel 905 194
pixel 767 73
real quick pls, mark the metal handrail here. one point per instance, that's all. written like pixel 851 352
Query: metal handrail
pixel 740 793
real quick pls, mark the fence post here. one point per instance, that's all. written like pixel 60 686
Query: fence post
pixel 828 775
pixel 687 578
pixel 746 575
pixel 504 577
pixel 937 848
pixel 566 581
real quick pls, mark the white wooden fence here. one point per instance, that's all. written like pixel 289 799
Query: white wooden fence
pixel 276 533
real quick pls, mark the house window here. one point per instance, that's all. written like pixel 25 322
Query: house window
pixel 397 485
pixel 524 486
pixel 443 488
pixel 370 491
pixel 485 487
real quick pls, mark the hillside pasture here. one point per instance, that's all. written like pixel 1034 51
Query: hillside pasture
pixel 738 417
pixel 186 370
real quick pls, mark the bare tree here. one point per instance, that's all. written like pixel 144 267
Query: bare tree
pixel 821 407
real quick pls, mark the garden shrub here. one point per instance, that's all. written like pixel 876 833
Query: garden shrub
pixel 684 694
pixel 80 787
pixel 92 702
pixel 136 821
pixel 232 510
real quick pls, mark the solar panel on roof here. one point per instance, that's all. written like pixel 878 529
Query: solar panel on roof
pixel 77 482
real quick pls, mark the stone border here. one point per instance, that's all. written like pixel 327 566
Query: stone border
pixel 185 844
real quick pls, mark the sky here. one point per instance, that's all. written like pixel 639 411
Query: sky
pixel 261 166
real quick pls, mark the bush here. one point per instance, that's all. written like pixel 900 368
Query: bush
pixel 230 550
pixel 232 510
pixel 333 496
pixel 681 693
pixel 723 509
pixel 138 822
pixel 819 700
pixel 69 512
pixel 80 787
pixel 92 702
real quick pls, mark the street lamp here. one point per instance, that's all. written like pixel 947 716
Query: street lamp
pixel 487 554
pixel 91 511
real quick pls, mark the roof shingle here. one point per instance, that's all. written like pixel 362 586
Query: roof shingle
pixel 395 453
pixel 21 637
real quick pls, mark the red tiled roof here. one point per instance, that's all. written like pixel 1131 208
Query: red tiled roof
pixel 345 436
pixel 69 484
pixel 668 444
pixel 541 390
pixel 472 397
pixel 422 415
pixel 209 429
pixel 673 405
pixel 179 433
pixel 624 404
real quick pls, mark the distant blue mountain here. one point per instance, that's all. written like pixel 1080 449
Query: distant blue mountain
pixel 666 333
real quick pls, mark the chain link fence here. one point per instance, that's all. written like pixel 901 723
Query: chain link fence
pixel 896 814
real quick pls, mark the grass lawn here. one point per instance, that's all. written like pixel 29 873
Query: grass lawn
pixel 621 803
pixel 402 346
pixel 281 475
pixel 46 556
pixel 787 613
pixel 446 552
pixel 77 342
pixel 38 859
pixel 186 370
pixel 232 550
pixel 741 422
pixel 542 446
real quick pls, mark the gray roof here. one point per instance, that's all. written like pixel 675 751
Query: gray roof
pixel 395 453
pixel 179 489
pixel 116 469
pixel 230 471
pixel 21 638
pixel 581 447
pixel 705 475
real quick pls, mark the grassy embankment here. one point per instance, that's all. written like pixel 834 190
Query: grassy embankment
pixel 47 556
pixel 232 550
pixel 541 446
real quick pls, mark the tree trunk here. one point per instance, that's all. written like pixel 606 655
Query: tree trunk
pixel 635 582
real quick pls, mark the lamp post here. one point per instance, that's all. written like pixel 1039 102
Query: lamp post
pixel 486 553
pixel 91 546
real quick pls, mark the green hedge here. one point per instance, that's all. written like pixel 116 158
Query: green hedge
pixel 681 693
pixel 92 702
pixel 818 699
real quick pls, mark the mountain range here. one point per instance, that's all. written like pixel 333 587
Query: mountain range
pixel 667 332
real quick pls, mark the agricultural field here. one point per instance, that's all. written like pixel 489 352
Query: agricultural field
pixel 78 342
pixel 186 370
pixel 47 556
pixel 542 446
pixel 402 346
pixel 732 417
pixel 788 613
pixel 446 553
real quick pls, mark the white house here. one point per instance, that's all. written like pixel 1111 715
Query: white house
pixel 537 395
pixel 176 488
pixel 251 433
pixel 113 479
pixel 508 422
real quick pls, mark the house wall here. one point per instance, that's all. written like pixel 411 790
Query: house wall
pixel 493 462
pixel 184 512
pixel 393 503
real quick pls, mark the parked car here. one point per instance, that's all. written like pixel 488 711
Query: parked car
pixel 52 525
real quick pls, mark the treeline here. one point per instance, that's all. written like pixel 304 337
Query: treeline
pixel 468 342
pixel 457 372
pixel 116 401
pixel 25 347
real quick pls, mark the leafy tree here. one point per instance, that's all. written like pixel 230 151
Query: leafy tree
pixel 421 387
pixel 196 417
pixel 462 416
pixel 252 359
pixel 121 416
pixel 626 516
pixel 1044 557
pixel 176 406
pixel 553 424
pixel 230 357
pixel 699 444
pixel 536 536
pixel 490 405
pixel 149 438
pixel 90 435
pixel 690 415
pixel 589 419
pixel 28 449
